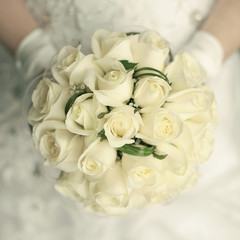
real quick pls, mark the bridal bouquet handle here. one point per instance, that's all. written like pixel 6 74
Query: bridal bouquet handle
pixel 127 125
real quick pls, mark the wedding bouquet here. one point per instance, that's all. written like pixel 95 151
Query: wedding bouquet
pixel 127 125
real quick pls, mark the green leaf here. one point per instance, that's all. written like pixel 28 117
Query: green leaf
pixel 170 56
pixel 30 128
pixel 137 109
pixel 128 65
pixel 119 156
pixel 131 33
pixel 70 102
pixel 101 115
pixel 158 73
pixel 102 135
pixel 136 151
pixel 149 74
pixel 149 68
pixel 161 157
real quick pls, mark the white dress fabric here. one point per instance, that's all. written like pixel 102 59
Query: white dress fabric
pixel 31 209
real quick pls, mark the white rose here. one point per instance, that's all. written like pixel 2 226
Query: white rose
pixel 138 200
pixel 142 172
pixel 79 73
pixel 151 91
pixel 82 117
pixel 96 159
pixel 197 104
pixel 175 184
pixel 184 72
pixel 159 124
pixel 67 60
pixel 111 192
pixel 162 196
pixel 181 183
pixel 151 50
pixel 115 86
pixel 73 185
pixel 57 110
pixel 60 148
pixel 43 97
pixel 176 160
pixel 210 114
pixel 112 44
pixel 203 138
pixel 213 113
pixel 147 175
pixel 185 142
pixel 122 125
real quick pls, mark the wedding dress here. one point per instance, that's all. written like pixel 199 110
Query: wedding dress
pixel 31 209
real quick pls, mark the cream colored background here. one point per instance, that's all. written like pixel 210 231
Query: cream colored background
pixel 31 209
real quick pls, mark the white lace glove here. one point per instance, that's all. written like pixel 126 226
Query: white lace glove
pixel 34 54
pixel 208 51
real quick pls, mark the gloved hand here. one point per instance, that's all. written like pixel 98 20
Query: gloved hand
pixel 205 48
pixel 34 54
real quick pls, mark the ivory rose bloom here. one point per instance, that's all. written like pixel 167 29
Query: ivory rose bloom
pixel 151 50
pixel 185 141
pixel 159 125
pixel 59 147
pixel 138 200
pixel 115 86
pixel 123 136
pixel 176 160
pixel 174 185
pixel 57 110
pixel 43 97
pixel 182 183
pixel 96 159
pixel 82 117
pixel 67 60
pixel 142 171
pixel 197 104
pixel 121 125
pixel 79 73
pixel 72 66
pixel 113 44
pixel 210 114
pixel 203 138
pixel 111 192
pixel 151 92
pixel 185 72
pixel 73 185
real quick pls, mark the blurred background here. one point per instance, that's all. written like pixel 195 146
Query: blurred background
pixel 29 206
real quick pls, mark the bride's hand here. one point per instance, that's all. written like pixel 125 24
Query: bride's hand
pixel 16 22
pixel 22 35
pixel 224 24
pixel 34 54
pixel 218 36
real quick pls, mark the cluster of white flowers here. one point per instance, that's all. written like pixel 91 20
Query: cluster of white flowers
pixel 126 125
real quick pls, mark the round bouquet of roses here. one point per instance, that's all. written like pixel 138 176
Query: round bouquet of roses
pixel 126 125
